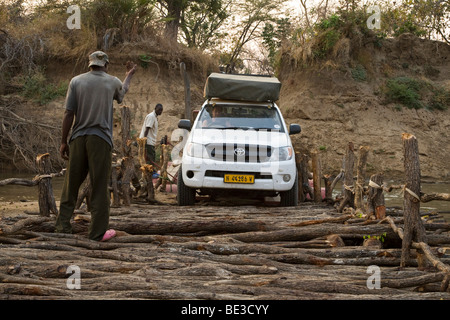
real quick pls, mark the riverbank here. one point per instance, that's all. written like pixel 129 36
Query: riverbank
pixel 16 199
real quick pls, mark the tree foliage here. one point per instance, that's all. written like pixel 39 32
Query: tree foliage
pixel 254 14
pixel 230 27
pixel 201 22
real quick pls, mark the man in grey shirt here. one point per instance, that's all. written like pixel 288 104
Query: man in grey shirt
pixel 89 101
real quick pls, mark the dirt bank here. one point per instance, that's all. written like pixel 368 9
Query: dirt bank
pixel 335 107
pixel 332 106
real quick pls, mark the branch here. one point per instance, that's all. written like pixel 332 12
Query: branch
pixel 426 250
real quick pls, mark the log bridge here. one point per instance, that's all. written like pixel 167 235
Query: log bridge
pixel 222 252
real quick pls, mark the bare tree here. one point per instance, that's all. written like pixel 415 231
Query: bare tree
pixel 254 13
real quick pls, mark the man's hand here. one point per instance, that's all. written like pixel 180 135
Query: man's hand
pixel 64 151
pixel 131 68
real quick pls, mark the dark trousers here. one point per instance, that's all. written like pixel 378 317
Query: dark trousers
pixel 87 154
pixel 150 154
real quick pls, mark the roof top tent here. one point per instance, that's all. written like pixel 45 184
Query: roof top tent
pixel 242 87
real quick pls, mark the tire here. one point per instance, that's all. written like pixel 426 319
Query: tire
pixel 290 198
pixel 185 194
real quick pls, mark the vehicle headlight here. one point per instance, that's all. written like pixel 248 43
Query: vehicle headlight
pixel 282 154
pixel 196 150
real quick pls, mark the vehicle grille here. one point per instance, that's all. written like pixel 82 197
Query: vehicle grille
pixel 239 153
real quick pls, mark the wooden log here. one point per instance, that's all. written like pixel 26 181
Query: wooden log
pixel 413 281
pixel 127 176
pixel 328 180
pixel 434 196
pixel 10 229
pixel 143 226
pixel 298 164
pixel 348 178
pixel 413 227
pixel 141 150
pixel 340 176
pixel 125 130
pixel 376 208
pixel 426 251
pixel 85 193
pixel 147 182
pixel 312 232
pixel 341 219
pixel 306 188
pixel 315 161
pixel 360 177
pixel 331 241
pixel 19 182
pixel 115 171
pixel 47 202
pixel 187 91
pixel 163 177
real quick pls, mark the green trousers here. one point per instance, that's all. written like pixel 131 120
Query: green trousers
pixel 87 154
pixel 150 154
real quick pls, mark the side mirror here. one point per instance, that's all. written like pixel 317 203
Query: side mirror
pixel 294 129
pixel 185 124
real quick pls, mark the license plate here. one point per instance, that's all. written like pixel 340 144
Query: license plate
pixel 239 178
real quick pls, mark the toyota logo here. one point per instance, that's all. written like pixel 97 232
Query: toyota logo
pixel 239 151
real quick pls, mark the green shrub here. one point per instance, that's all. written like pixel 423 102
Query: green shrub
pixel 417 94
pixel 326 42
pixel 359 73
pixel 440 99
pixel 37 88
pixel 405 91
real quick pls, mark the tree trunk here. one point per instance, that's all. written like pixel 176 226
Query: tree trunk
pixel 413 227
pixel 328 180
pixel 360 177
pixel 115 171
pixel 141 150
pixel 126 122
pixel 304 182
pixel 187 92
pixel 47 202
pixel 348 178
pixel 147 182
pixel 127 176
pixel 315 160
pixel 375 199
pixel 172 21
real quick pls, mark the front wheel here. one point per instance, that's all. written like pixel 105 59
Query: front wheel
pixel 185 194
pixel 290 198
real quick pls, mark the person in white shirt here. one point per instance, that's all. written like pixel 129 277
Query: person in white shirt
pixel 150 130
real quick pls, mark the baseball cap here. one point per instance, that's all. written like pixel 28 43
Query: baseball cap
pixel 98 58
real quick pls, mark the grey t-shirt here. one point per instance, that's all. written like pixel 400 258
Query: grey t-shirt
pixel 90 96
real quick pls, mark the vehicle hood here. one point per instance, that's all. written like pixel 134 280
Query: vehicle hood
pixel 239 136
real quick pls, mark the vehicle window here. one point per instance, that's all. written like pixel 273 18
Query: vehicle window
pixel 240 117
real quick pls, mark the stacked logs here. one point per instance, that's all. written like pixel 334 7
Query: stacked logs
pixel 414 233
pixel 217 252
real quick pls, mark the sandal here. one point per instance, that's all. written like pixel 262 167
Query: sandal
pixel 109 234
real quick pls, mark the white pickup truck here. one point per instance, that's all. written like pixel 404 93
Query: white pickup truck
pixel 239 144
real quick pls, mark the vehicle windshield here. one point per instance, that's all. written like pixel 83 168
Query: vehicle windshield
pixel 240 117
